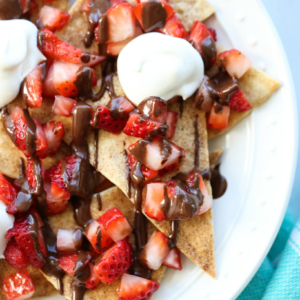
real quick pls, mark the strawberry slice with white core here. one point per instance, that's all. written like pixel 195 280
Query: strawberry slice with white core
pixel 69 241
pixel 171 121
pixel 203 99
pixel 239 102
pixel 49 89
pixel 218 120
pixel 235 62
pixel 41 140
pixel 155 251
pixel 207 200
pixel 115 224
pixel 153 157
pixel 63 106
pixel 173 260
pixel 93 280
pixel 137 288
pixel 154 196
pixel 114 49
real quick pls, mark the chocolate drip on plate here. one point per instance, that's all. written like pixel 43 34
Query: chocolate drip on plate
pixel 218 182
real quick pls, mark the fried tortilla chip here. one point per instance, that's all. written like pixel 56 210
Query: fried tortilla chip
pixel 111 198
pixel 42 287
pixel 214 157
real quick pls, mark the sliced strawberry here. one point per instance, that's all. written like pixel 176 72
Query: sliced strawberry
pixel 18 286
pixel 213 34
pixel 54 133
pixel 93 280
pixel 141 126
pixel 26 240
pixel 175 28
pixel 171 121
pixel 173 260
pixel 103 119
pixel 114 262
pixel 154 108
pixel 204 99
pixel 49 89
pixel 154 197
pixel 155 251
pixel 153 157
pixel 30 172
pixel 114 49
pixel 7 192
pixel 63 106
pixel 41 141
pixel 238 101
pixel 218 119
pixel 115 224
pixel 148 174
pixel 52 18
pixel 32 87
pixel 43 247
pixel 67 262
pixel 69 241
pixel 14 256
pixel 120 107
pixel 235 62
pixel 98 236
pixel 54 48
pixel 154 23
pixel 137 288
pixel 202 40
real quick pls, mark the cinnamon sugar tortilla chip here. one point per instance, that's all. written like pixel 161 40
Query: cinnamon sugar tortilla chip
pixel 111 198
pixel 214 157
pixel 42 287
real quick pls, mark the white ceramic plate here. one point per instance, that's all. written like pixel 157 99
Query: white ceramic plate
pixel 259 163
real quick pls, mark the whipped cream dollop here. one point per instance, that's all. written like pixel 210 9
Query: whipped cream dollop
pixel 19 55
pixel 160 65
pixel 6 222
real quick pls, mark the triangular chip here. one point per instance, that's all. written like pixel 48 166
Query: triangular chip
pixel 111 198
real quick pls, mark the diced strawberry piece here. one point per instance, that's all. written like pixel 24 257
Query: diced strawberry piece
pixel 138 12
pixel 115 224
pixel 35 212
pixel 203 99
pixel 67 262
pixel 54 133
pixel 7 192
pixel 114 262
pixel 174 28
pixel 25 241
pixel 52 18
pixel 154 108
pixel 213 34
pixel 41 141
pixel 63 106
pixel 43 247
pixel 114 49
pixel 238 101
pixel 32 87
pixel 201 39
pixel 54 48
pixel 235 62
pixel 155 251
pixel 18 286
pixel 98 236
pixel 69 241
pixel 14 256
pixel 120 24
pixel 173 260
pixel 171 121
pixel 137 288
pixel 218 120
pixel 30 172
pixel 49 89
pixel 147 173
pixel 141 126
pixel 94 280
pixel 103 119
pixel 154 158
pixel 154 197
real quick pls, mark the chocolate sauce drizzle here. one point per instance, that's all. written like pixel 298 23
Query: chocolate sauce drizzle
pixel 11 9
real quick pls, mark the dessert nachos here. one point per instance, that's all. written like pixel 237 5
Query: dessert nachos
pixel 106 112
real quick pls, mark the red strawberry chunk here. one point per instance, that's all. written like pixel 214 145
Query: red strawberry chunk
pixel 115 224
pixel 171 121
pixel 137 288
pixel 98 236
pixel 154 108
pixel 7 192
pixel 67 262
pixel 18 286
pixel 218 120
pixel 49 89
pixel 41 141
pixel 32 87
pixel 155 251
pixel 94 280
pixel 52 18
pixel 173 260
pixel 154 197
pixel 14 256
pixel 147 172
pixel 20 128
pixel 69 241
pixel 54 48
pixel 63 106
pixel 141 126
pixel 103 119
pixel 175 28
pixel 238 101
pixel 114 262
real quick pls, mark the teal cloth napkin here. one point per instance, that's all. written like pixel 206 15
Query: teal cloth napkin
pixel 279 275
